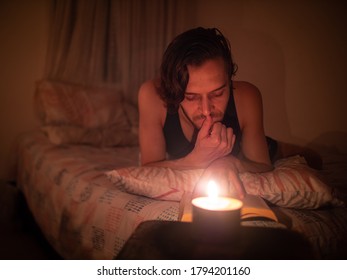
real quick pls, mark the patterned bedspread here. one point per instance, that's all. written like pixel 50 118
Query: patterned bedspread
pixel 84 216
pixel 78 209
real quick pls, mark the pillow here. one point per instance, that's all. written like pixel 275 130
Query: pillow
pixel 101 137
pixel 65 103
pixel 75 114
pixel 155 182
pixel 291 184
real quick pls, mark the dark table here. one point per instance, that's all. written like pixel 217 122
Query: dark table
pixel 176 240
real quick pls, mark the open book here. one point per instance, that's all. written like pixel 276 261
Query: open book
pixel 253 206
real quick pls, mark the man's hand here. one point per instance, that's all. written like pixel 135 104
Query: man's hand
pixel 224 172
pixel 214 141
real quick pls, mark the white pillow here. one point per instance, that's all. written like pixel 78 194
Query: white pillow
pixel 77 114
pixel 291 184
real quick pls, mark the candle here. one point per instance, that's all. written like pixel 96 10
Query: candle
pixel 216 218
pixel 214 202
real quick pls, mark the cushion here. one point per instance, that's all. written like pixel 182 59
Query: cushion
pixel 76 114
pixel 155 182
pixel 107 136
pixel 291 184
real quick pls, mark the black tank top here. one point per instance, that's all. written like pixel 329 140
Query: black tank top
pixel 178 146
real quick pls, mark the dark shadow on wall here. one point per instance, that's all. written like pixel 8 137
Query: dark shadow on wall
pixel 330 142
pixel 261 61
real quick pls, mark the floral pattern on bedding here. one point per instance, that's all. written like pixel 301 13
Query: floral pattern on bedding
pixel 79 210
pixel 85 216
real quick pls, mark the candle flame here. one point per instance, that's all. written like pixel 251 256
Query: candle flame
pixel 212 189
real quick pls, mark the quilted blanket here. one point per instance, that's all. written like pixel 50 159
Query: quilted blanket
pixel 79 210
pixel 85 214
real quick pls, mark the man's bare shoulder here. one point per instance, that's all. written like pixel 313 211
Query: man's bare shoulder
pixel 149 93
pixel 244 91
pixel 149 100
pixel 248 102
pixel 149 87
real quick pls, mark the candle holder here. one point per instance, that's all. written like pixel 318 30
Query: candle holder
pixel 216 225
pixel 216 219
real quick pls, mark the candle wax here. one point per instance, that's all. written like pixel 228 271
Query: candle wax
pixel 217 203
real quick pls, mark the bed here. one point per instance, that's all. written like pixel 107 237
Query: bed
pixel 80 177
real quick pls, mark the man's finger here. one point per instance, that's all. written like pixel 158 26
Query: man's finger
pixel 205 128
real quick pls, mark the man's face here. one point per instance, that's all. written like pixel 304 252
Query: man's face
pixel 207 92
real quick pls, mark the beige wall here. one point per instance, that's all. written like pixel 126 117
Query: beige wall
pixel 23 34
pixel 294 51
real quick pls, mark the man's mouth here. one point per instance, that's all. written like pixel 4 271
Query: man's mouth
pixel 216 117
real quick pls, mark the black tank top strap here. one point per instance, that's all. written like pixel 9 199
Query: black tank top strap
pixel 178 146
pixel 231 120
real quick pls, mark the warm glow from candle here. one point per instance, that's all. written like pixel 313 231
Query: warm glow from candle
pixel 212 189
pixel 214 202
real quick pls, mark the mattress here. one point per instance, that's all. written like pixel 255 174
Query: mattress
pixel 77 208
pixel 85 216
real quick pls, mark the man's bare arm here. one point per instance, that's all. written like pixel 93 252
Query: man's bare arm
pixel 254 155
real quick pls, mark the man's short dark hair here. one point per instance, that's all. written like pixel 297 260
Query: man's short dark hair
pixel 192 47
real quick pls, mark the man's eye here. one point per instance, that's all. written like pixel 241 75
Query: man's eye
pixel 191 97
pixel 217 93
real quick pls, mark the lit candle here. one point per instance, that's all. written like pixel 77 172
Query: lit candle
pixel 216 218
pixel 214 202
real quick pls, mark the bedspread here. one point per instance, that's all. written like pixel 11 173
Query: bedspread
pixel 85 216
pixel 77 208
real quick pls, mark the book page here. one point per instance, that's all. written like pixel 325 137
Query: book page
pixel 255 206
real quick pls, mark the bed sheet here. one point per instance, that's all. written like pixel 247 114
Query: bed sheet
pixel 84 216
pixel 78 209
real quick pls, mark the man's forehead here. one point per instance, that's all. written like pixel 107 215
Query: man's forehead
pixel 207 77
pixel 210 91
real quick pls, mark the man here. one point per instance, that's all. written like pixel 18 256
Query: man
pixel 196 116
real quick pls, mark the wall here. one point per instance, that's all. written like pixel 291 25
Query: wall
pixel 294 51
pixel 23 35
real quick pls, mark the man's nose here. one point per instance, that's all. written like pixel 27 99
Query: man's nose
pixel 206 106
